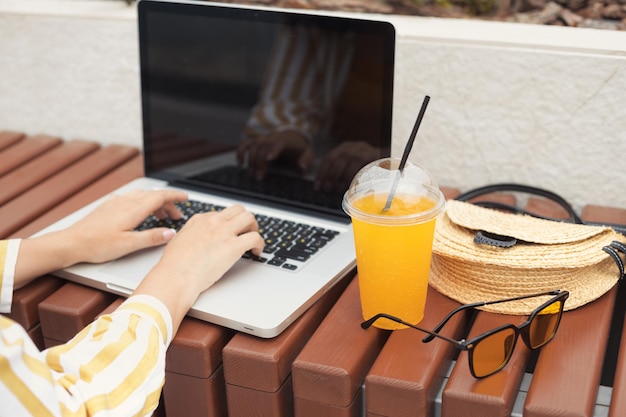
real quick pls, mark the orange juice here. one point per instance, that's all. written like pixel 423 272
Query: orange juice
pixel 393 257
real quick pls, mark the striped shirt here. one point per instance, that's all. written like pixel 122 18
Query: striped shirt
pixel 113 367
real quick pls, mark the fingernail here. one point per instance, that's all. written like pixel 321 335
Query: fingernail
pixel 169 234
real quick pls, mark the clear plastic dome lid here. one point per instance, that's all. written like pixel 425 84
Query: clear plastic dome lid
pixel 417 197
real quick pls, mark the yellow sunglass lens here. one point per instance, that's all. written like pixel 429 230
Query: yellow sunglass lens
pixel 493 352
pixel 543 326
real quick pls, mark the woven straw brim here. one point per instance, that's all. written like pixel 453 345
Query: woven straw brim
pixel 472 283
pixel 523 227
pixel 457 242
pixel 470 272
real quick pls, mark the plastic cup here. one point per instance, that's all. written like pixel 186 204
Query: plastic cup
pixel 394 247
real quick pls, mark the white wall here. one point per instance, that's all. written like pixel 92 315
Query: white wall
pixel 509 102
pixel 75 77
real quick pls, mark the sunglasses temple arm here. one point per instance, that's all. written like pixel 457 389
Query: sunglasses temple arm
pixel 445 320
pixel 435 332
pixel 366 324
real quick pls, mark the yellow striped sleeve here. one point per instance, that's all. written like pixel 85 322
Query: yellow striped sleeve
pixel 8 259
pixel 116 365
pixel 153 308
pixel 22 373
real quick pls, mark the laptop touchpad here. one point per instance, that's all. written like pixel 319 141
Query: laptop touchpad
pixel 130 270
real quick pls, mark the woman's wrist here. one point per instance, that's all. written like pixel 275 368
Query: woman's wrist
pixel 173 288
pixel 44 254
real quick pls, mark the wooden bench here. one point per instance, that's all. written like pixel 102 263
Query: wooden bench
pixel 324 364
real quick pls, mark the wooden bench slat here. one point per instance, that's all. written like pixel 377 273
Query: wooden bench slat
pixel 25 150
pixel 25 305
pixel 265 364
pixel 68 310
pixel 112 307
pixel 331 368
pixel 260 403
pixel 572 361
pixel 449 192
pixel 567 375
pixel 188 396
pixel 613 215
pixel 258 371
pixel 618 399
pixel 42 167
pixel 32 203
pixel 108 183
pixel 491 396
pixel 409 371
pixel 9 138
pixel 196 350
pixel 194 373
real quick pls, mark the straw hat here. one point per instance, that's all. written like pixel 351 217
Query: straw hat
pixel 547 255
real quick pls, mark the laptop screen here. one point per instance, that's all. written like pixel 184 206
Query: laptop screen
pixel 281 106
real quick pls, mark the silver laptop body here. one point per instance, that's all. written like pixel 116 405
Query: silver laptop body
pixel 213 75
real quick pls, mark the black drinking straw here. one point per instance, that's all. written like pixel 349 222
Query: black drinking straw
pixel 407 151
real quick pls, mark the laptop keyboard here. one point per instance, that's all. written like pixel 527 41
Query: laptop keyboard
pixel 288 244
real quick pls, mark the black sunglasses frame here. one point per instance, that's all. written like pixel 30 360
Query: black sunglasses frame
pixel 470 345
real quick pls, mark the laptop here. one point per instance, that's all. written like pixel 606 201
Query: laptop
pixel 218 83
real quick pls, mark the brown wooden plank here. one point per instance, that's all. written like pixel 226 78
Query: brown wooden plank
pixel 36 336
pixel 9 138
pixel 25 305
pixel 24 308
pixel 613 215
pixel 618 398
pixel 194 378
pixel 112 307
pixel 547 208
pixel 108 183
pixel 37 200
pixel 566 379
pixel 408 373
pixel 68 310
pixel 42 167
pixel 495 395
pixel 260 403
pixel 331 368
pixel 567 375
pixel 188 396
pixel 308 408
pixel 196 349
pixel 449 192
pixel 504 198
pixel 257 370
pixel 25 150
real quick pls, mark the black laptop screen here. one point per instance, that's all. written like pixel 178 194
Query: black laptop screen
pixel 276 105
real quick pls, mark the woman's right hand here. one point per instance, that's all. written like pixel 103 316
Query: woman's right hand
pixel 199 255
pixel 210 243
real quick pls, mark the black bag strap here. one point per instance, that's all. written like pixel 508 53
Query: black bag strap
pixel 527 189
pixel 510 187
pixel 614 249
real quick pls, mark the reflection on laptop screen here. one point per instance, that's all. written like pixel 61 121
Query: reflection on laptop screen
pixel 283 106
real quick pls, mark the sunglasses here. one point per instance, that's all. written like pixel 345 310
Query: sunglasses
pixel 491 351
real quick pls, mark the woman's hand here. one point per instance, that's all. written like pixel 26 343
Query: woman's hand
pixel 205 248
pixel 108 232
pixel 104 234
